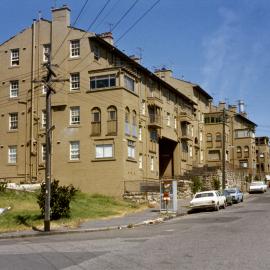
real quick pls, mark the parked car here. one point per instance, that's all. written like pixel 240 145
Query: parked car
pixel 228 196
pixel 208 200
pixel 257 186
pixel 237 195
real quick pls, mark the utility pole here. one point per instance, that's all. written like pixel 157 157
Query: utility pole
pixel 49 91
pixel 223 149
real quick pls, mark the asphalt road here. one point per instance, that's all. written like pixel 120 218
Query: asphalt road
pixel 235 238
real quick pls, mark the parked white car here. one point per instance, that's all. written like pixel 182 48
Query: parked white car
pixel 208 200
pixel 257 186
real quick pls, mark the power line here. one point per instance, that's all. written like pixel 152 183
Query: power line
pixel 138 20
pixel 125 14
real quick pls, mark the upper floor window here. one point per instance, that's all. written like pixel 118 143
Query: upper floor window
pixel 75 48
pixel 74 81
pixel 131 149
pixel 43 119
pixel 134 124
pixel 13 121
pixel 218 137
pixel 102 81
pixel 74 150
pixel 12 154
pixel 209 137
pixel 14 89
pixel 140 161
pixel 43 152
pixel 129 83
pixel 246 151
pixel 127 116
pixel 96 121
pixel 15 57
pixel 104 151
pixel 112 120
pixel 239 151
pixel 75 115
pixel 143 107
pixel 168 119
pixel 44 89
pixel 46 52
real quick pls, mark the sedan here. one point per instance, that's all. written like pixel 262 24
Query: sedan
pixel 257 186
pixel 208 200
pixel 228 196
pixel 237 195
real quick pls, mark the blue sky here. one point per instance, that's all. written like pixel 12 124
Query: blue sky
pixel 223 45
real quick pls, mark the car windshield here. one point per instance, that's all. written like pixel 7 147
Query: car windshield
pixel 202 195
pixel 256 183
pixel 225 192
pixel 231 191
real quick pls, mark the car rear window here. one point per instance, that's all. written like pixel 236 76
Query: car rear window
pixel 202 195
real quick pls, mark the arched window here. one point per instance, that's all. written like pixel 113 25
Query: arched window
pixel 218 139
pixel 134 124
pixel 246 151
pixel 209 140
pixel 127 120
pixel 112 121
pixel 96 121
pixel 239 151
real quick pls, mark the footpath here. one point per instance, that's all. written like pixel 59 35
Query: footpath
pixel 144 217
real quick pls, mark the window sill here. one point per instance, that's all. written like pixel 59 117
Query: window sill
pixel 13 131
pixel 131 160
pixel 73 91
pixel 11 67
pixel 103 159
pixel 74 126
pixel 71 58
pixel 13 98
pixel 74 161
pixel 12 164
pixel 103 89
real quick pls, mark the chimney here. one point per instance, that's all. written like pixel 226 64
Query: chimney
pixel 233 108
pixel 221 105
pixel 61 15
pixel 107 36
pixel 163 73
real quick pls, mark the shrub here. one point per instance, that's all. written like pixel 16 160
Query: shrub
pixel 216 183
pixel 3 186
pixel 61 197
pixel 196 184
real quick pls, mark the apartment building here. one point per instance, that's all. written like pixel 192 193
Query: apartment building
pixel 115 122
pixel 263 157
pixel 240 150
pixel 195 142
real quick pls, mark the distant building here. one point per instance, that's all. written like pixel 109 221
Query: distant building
pixel 263 158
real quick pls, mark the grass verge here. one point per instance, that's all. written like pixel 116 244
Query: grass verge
pixel 25 213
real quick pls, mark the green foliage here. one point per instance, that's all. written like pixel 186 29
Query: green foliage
pixel 196 184
pixel 216 183
pixel 3 186
pixel 256 178
pixel 61 197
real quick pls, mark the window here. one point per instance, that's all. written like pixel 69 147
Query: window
pixel 201 155
pixel 168 119
pixel 140 133
pixel 102 81
pixel 127 116
pixel 75 81
pixel 134 124
pixel 74 150
pixel 209 137
pixel 75 115
pixel 153 135
pixel 43 152
pixel 218 137
pixel 44 89
pixel 46 52
pixel 152 164
pixel 43 119
pixel 239 151
pixel 129 83
pixel 243 164
pixel 96 52
pixel 190 151
pixel 112 121
pixel 13 121
pixel 243 133
pixel 12 154
pixel 140 161
pixel 75 48
pixel 96 122
pixel 15 57
pixel 104 151
pixel 201 136
pixel 175 123
pixel 143 107
pixel 246 151
pixel 131 149
pixel 214 155
pixel 14 89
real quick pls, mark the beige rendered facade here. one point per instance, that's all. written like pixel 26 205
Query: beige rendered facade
pixel 115 122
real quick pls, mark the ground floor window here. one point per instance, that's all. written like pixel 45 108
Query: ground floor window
pixel 104 151
pixel 12 154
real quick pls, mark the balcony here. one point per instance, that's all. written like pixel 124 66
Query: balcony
pixel 154 101
pixel 154 121
pixel 185 135
pixel 185 117
pixel 152 146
